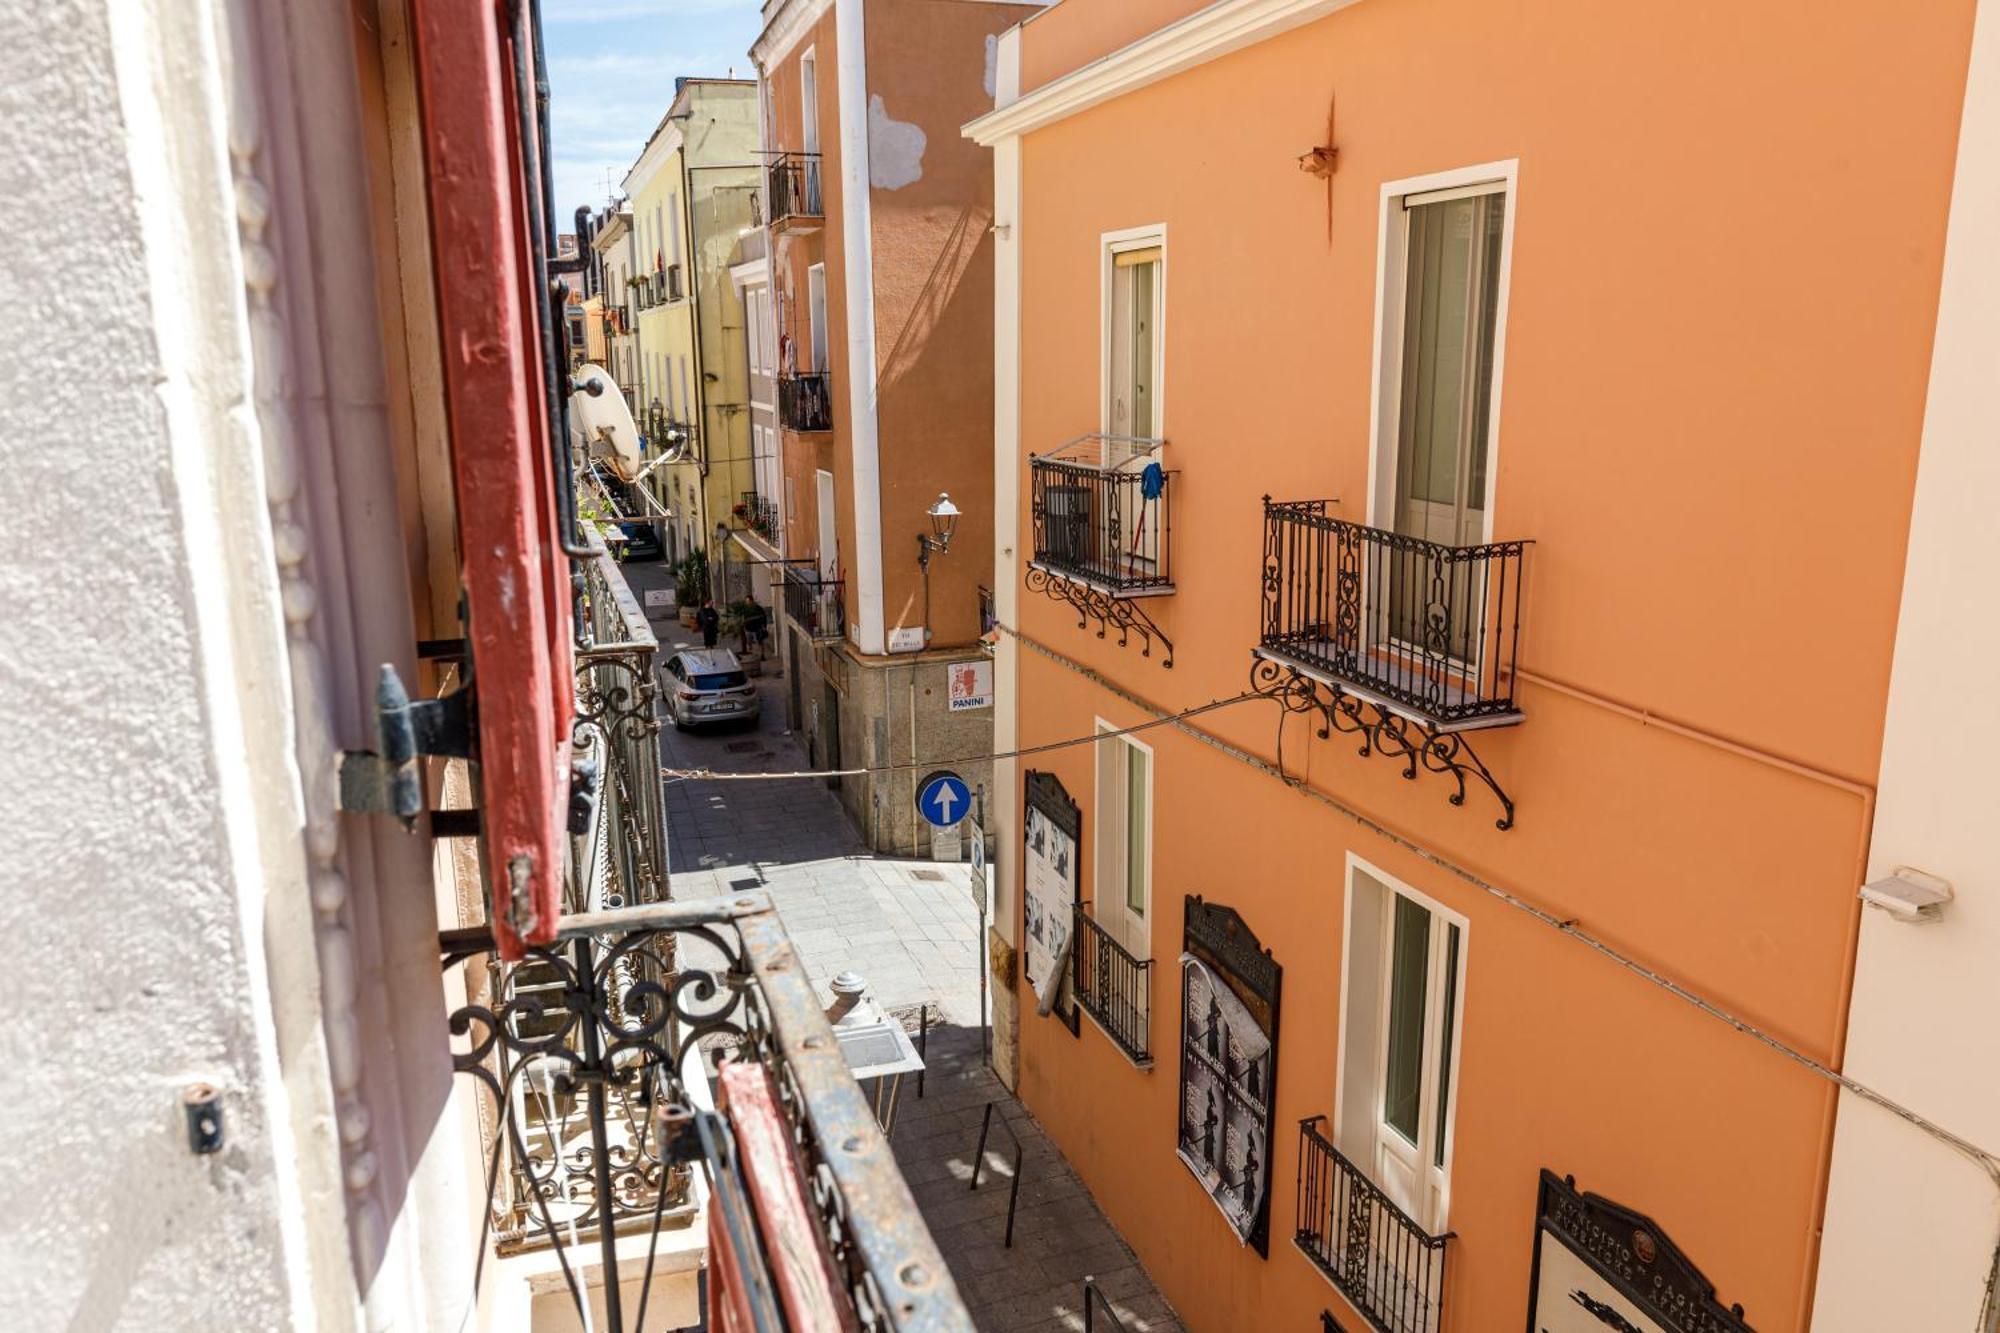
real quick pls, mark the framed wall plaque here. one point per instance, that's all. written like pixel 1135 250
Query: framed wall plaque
pixel 1602 1268
pixel 1229 1066
pixel 1052 838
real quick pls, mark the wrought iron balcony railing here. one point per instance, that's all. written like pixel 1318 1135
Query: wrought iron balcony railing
pixel 1114 987
pixel 760 514
pixel 816 604
pixel 1420 627
pixel 591 1056
pixel 621 859
pixel 795 198
pixel 675 289
pixel 1102 507
pixel 1391 1269
pixel 805 402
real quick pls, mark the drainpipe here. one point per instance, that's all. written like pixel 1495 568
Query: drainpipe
pixel 857 250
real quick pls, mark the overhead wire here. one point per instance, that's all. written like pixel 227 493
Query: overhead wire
pixel 1986 1160
pixel 711 775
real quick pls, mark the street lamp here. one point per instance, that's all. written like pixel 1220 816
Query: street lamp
pixel 944 521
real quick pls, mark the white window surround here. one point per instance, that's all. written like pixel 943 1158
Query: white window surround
pixel 1110 245
pixel 809 100
pixel 1354 1131
pixel 1110 900
pixel 1390 288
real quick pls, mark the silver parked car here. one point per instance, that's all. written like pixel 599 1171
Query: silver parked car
pixel 708 685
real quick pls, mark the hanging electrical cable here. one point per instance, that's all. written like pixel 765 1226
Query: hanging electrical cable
pixel 710 775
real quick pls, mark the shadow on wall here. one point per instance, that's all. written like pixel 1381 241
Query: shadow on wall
pixel 961 248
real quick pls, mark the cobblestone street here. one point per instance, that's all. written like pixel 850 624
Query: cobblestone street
pixel 911 928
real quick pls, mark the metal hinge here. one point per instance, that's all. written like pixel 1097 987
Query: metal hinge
pixel 390 781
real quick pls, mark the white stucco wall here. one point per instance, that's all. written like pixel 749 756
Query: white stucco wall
pixel 1912 1224
pixel 145 787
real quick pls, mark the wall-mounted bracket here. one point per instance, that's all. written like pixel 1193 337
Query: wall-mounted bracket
pixel 1382 731
pixel 1123 614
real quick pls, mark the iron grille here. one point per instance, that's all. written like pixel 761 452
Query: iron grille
pixel 815 604
pixel 1387 1266
pixel 805 402
pixel 581 1051
pixel 1114 987
pixel 1102 511
pixel 623 858
pixel 794 191
pixel 760 514
pixel 1423 626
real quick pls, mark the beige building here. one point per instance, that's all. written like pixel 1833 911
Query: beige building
pixel 691 197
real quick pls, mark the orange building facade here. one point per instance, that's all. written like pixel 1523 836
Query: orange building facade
pixel 1540 827
pixel 879 216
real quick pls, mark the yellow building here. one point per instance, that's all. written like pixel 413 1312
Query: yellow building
pixel 692 195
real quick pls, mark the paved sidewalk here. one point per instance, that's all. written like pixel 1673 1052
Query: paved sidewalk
pixel 912 929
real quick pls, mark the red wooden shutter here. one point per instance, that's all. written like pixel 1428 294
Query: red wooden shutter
pixel 514 573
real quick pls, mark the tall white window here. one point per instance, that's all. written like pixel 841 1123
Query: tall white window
pixel 674 228
pixel 1124 893
pixel 809 100
pixel 1134 301
pixel 816 314
pixel 1401 1015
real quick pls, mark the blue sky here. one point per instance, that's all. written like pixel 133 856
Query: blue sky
pixel 612 65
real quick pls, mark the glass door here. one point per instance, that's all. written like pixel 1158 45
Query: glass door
pixel 1451 286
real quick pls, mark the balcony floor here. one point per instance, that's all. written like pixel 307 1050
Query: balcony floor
pixel 1108 578
pixel 1312 656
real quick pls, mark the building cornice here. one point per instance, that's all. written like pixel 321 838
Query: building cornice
pixel 1223 27
pixel 665 142
pixel 782 31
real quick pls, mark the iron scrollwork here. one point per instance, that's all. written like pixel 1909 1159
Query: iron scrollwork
pixel 1380 730
pixel 1123 614
pixel 584 1052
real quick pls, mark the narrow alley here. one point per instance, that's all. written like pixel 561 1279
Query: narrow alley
pixel 911 929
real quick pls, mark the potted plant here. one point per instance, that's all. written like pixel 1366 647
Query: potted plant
pixel 691 584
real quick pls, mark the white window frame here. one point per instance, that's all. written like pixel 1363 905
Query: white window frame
pixel 809 100
pixel 1359 1142
pixel 1110 245
pixel 819 338
pixel 1112 799
pixel 1392 286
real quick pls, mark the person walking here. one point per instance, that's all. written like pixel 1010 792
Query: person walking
pixel 708 622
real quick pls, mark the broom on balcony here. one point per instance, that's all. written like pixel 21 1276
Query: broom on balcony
pixel 1152 481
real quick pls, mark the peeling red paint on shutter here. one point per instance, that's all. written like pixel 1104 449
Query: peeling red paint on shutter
pixel 515 576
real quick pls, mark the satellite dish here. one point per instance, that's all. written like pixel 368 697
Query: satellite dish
pixel 598 414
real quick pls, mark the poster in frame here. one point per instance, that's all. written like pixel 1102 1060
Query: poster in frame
pixel 1230 987
pixel 1600 1266
pixel 1052 842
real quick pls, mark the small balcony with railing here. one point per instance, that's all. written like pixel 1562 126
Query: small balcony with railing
pixel 805 401
pixel 815 604
pixel 1102 510
pixel 1374 1253
pixel 759 513
pixel 1409 642
pixel 793 180
pixel 1114 987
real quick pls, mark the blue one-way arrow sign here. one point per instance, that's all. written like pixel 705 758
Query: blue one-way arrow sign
pixel 943 799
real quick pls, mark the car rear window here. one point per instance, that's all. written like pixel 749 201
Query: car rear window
pixel 718 680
